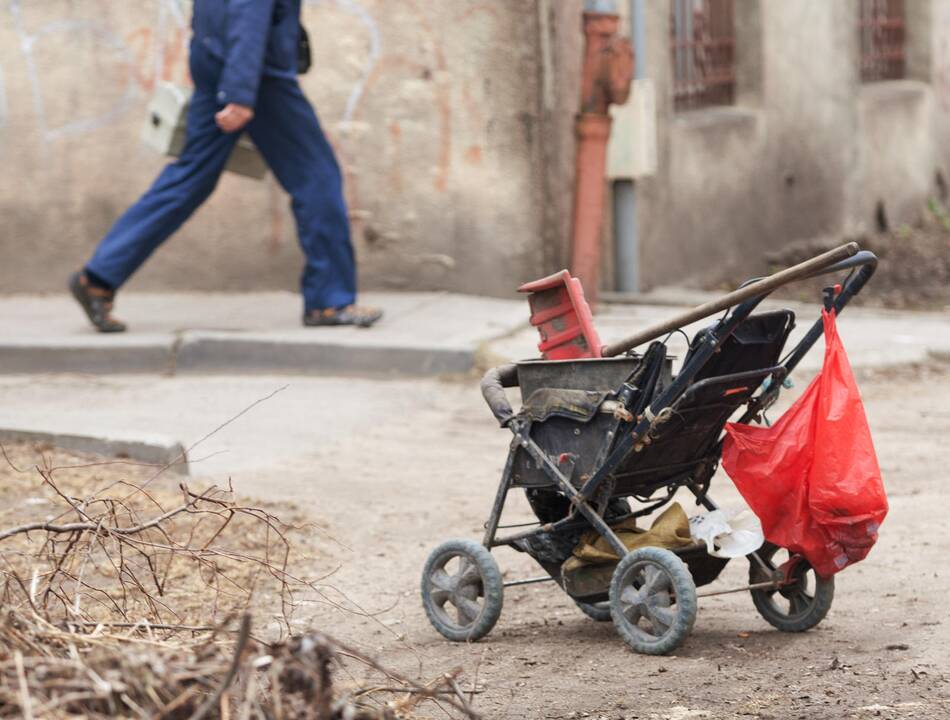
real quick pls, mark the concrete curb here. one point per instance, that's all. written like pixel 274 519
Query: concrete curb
pixel 153 450
pixel 214 353
pixel 154 357
pixel 428 333
pixel 199 352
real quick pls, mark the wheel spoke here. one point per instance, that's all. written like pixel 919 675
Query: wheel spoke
pixel 632 613
pixel 438 595
pixel 661 618
pixel 471 592
pixel 463 567
pixel 656 580
pixel 799 602
pixel 468 610
pixel 631 602
pixel 631 596
pixel 440 579
pixel 468 575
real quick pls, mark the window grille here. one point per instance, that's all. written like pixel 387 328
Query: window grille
pixel 703 40
pixel 882 30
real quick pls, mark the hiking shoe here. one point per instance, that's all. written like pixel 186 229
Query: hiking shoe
pixel 96 302
pixel 350 315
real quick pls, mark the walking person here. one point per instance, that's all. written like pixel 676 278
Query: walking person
pixel 243 61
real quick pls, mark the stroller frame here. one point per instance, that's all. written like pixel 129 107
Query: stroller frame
pixel 638 421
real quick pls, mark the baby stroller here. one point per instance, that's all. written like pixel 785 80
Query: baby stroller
pixel 605 440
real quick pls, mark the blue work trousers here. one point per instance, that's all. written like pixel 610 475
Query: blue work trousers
pixel 287 132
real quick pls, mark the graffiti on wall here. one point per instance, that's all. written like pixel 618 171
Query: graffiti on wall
pixel 136 60
pixel 406 104
pixel 363 16
pixel 149 54
pixel 140 68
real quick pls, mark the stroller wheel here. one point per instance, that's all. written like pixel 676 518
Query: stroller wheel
pixel 652 600
pixel 797 607
pixel 462 590
pixel 595 611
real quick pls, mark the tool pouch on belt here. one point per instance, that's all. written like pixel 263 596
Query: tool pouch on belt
pixel 304 52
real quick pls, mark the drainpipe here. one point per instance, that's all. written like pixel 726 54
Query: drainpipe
pixel 626 230
pixel 606 77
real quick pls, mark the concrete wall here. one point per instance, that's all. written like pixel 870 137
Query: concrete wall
pixel 444 115
pixel 807 150
pixel 453 121
pixel 939 78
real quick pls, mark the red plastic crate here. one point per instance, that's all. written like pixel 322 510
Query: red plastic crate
pixel 563 318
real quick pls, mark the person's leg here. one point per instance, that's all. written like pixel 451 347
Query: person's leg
pixel 287 132
pixel 181 188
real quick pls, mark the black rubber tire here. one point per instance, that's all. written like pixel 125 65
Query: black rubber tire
pixel 651 583
pixel 465 587
pixel 596 611
pixel 812 607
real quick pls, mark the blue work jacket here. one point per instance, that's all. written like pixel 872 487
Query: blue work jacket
pixel 252 38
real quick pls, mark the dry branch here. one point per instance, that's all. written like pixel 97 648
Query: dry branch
pixel 129 611
pixel 61 674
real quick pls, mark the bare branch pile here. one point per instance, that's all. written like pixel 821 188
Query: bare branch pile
pixel 129 601
pixel 47 672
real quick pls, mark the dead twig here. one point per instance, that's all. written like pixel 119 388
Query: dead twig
pixel 243 636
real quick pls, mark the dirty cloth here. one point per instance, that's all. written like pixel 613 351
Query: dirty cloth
pixel 580 405
pixel 670 530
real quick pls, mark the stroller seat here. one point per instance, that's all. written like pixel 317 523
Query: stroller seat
pixel 687 434
pixel 572 418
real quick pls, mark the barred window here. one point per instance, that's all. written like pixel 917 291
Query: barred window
pixel 703 42
pixel 882 32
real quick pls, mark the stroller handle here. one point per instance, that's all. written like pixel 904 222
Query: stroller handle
pixel 865 260
pixel 826 262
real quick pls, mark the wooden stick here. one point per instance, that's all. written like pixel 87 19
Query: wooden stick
pixel 761 287
pixel 215 699
pixel 26 704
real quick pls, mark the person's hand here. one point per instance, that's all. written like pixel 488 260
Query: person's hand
pixel 234 117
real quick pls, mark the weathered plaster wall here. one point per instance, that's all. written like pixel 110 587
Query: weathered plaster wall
pixel 807 150
pixel 435 109
pixel 939 79
pixel 454 124
pixel 897 163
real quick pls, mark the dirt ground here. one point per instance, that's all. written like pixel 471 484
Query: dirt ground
pixel 409 483
pixel 882 652
pixel 915 264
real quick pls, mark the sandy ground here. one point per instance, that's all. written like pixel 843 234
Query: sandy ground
pixel 882 652
pixel 409 465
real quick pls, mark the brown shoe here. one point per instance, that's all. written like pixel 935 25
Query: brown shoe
pixel 350 315
pixel 96 302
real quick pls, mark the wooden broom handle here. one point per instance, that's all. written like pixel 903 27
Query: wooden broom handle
pixel 760 287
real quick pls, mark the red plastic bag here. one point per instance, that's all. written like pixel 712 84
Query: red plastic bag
pixel 813 477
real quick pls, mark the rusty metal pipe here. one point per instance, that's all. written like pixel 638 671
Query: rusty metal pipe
pixel 606 77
